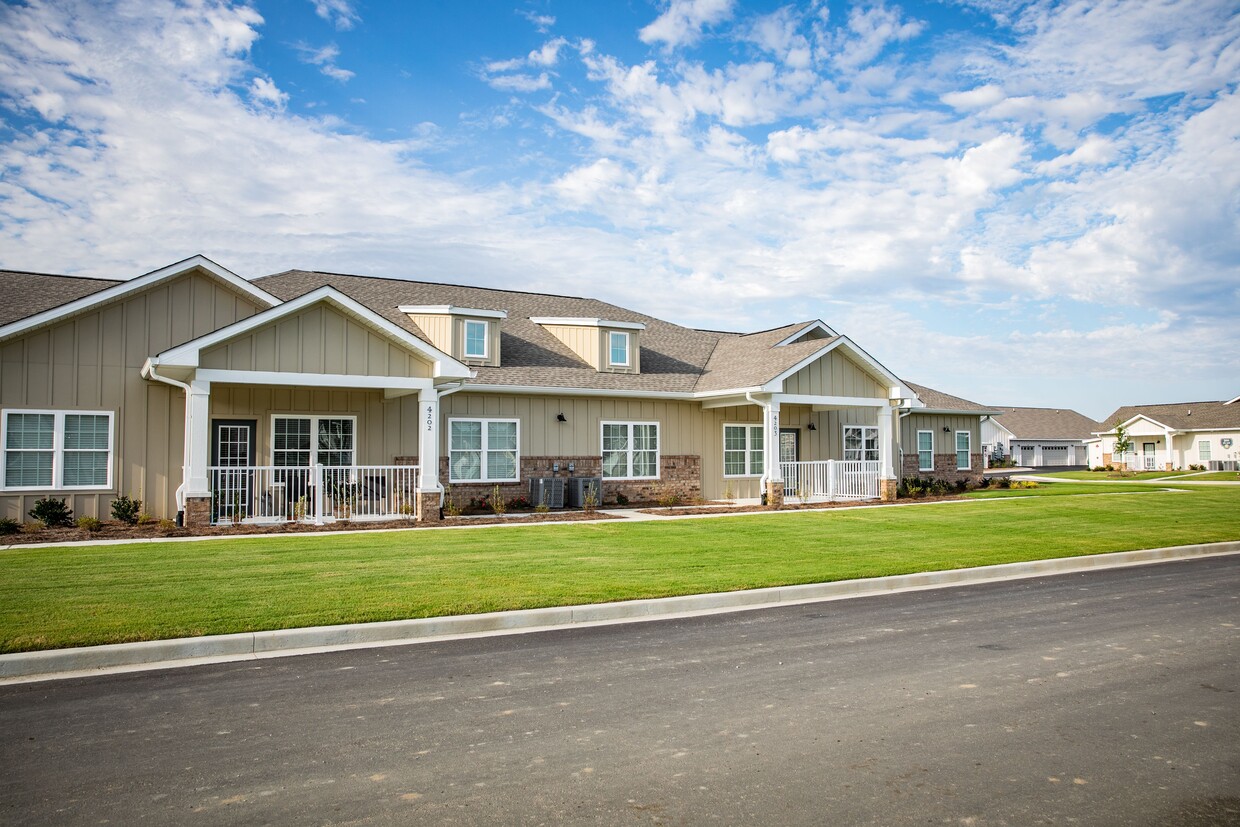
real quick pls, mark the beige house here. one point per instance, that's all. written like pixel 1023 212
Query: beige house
pixel 1173 436
pixel 317 396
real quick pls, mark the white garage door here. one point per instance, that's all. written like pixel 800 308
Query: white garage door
pixel 1055 455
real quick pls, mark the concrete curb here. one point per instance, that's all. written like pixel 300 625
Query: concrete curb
pixel 124 657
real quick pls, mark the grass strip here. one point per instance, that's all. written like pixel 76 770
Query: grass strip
pixel 60 597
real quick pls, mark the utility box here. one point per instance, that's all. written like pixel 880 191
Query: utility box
pixel 577 488
pixel 548 491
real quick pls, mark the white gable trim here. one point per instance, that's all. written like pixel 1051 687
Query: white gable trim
pixel 135 285
pixel 581 321
pixel 1133 419
pixel 187 354
pixel 818 324
pixel 450 310
pixel 896 388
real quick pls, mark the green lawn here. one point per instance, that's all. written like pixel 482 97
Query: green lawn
pixel 104 594
pixel 1209 476
pixel 1061 489
pixel 1111 475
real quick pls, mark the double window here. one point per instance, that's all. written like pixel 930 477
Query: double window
pixel 302 441
pixel 963 448
pixel 476 335
pixel 861 442
pixel 742 450
pixel 483 450
pixel 925 450
pixel 618 349
pixel 631 450
pixel 57 449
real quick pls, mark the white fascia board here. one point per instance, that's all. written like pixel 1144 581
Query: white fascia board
pixel 134 285
pixel 1147 418
pixel 187 354
pixel 1232 401
pixel 830 401
pixel 539 390
pixel 896 388
pixel 312 380
pixel 450 310
pixel 956 412
pixel 818 324
pixel 580 321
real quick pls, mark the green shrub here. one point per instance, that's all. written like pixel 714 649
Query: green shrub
pixel 51 512
pixel 622 500
pixel 168 526
pixel 126 509
pixel 89 524
pixel 145 519
pixel 1005 482
pixel 9 526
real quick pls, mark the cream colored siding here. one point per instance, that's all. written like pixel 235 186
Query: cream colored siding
pixel 604 351
pixel 583 341
pixel 944 443
pixel 458 341
pixel 386 429
pixel 438 328
pixel 92 362
pixel 320 339
pixel 834 375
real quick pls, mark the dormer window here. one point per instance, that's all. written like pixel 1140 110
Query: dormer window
pixel 618 349
pixel 476 339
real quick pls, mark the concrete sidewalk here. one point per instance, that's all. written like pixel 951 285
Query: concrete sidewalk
pixel 162 654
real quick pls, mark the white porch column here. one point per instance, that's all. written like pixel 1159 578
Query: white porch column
pixel 198 434
pixel 428 440
pixel 770 456
pixel 1170 456
pixel 886 448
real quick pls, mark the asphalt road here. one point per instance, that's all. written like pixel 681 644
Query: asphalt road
pixel 1102 698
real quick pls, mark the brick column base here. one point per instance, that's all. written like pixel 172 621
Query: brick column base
pixel 775 493
pixel 887 490
pixel 428 505
pixel 197 511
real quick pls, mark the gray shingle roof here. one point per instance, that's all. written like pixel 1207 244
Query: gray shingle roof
pixel 939 401
pixel 25 294
pixel 1046 423
pixel 744 361
pixel 1181 416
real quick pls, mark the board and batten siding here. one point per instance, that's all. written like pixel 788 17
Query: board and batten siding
pixel 92 362
pixel 944 443
pixel 583 341
pixel 319 339
pixel 834 375
pixel 386 428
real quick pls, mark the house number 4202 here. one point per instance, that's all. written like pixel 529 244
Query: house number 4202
pixel 430 418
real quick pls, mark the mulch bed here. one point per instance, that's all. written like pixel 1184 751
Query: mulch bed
pixel 119 531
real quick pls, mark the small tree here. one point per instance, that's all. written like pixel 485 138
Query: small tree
pixel 1123 445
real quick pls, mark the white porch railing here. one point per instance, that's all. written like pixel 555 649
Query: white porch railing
pixel 1140 461
pixel 831 479
pixel 318 494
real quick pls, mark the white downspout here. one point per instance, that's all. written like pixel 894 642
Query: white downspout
pixel 148 372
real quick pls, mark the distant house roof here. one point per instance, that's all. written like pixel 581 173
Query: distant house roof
pixel 1046 423
pixel 1180 416
pixel 939 401
pixel 24 294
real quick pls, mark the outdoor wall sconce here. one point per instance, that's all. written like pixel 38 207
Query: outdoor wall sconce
pixel 561 418
pixel 813 427
pixel 946 430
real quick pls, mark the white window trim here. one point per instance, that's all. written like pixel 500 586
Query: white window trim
pixel 1204 450
pixel 749 427
pixel 482 466
pixel 844 441
pixel 58 449
pixel 486 339
pixel 628 343
pixel 968 441
pixel 314 435
pixel 921 467
pixel 658 447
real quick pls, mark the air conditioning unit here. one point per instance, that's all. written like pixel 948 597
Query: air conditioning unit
pixel 577 488
pixel 548 491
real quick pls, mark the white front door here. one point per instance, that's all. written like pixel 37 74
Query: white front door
pixel 1150 454
pixel 233 448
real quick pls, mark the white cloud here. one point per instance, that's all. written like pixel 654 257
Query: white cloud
pixel 542 22
pixel 340 13
pixel 265 92
pixel 521 83
pixel 682 23
pixel 324 57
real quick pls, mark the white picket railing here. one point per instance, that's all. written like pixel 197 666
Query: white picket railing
pixel 316 494
pixel 831 479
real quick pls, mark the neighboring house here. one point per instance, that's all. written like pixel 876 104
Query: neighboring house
pixel 1039 437
pixel 942 438
pixel 318 396
pixel 1173 436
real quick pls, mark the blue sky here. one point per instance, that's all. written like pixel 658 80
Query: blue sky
pixel 1016 202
